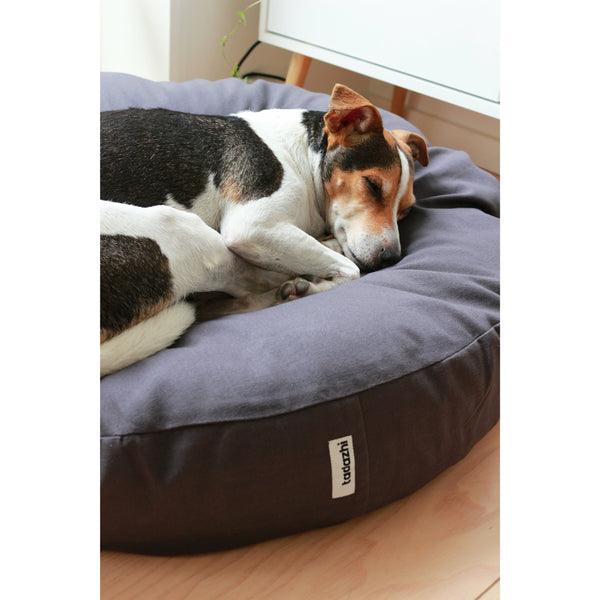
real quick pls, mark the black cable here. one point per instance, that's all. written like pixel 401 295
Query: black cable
pixel 262 75
pixel 254 74
pixel 247 54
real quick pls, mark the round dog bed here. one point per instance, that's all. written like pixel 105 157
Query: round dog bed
pixel 315 411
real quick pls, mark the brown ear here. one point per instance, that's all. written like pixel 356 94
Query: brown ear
pixel 416 144
pixel 343 98
pixel 351 113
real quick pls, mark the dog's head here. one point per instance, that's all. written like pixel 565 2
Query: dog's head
pixel 368 175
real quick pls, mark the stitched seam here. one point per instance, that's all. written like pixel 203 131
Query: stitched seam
pixel 368 461
pixel 282 414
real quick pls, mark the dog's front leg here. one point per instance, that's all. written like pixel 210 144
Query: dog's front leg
pixel 332 243
pixel 288 249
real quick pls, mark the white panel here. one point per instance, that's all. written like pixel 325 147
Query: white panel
pixel 419 45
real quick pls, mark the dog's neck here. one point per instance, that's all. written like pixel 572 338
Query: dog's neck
pixel 317 145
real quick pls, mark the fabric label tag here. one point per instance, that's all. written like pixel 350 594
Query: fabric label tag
pixel 341 454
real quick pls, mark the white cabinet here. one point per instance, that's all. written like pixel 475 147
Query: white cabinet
pixel 444 49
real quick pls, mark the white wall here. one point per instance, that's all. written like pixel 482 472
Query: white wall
pixel 134 37
pixel 197 27
pixel 178 40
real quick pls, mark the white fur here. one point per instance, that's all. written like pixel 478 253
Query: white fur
pixel 208 205
pixel 404 177
pixel 199 259
pixel 145 338
pixel 301 197
pixel 278 232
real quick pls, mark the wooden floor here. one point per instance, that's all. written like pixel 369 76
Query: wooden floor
pixel 442 542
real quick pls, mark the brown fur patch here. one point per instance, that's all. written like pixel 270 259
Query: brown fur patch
pixel 135 282
pixel 359 196
pixel 413 144
pixel 407 201
pixel 232 190
pixel 398 138
pixel 350 117
pixel 145 313
pixel 343 98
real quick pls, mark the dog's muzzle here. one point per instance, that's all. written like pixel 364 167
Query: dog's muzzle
pixel 388 257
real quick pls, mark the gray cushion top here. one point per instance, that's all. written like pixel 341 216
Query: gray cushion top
pixel 442 295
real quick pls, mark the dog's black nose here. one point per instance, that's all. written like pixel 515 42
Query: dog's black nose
pixel 389 256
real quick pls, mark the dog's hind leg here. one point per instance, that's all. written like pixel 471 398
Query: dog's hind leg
pixel 214 305
pixel 151 260
pixel 146 338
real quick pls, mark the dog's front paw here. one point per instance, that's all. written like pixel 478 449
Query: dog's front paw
pixel 299 287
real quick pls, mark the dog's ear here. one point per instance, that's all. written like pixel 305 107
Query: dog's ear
pixel 416 144
pixel 351 114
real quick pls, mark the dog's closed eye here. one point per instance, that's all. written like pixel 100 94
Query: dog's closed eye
pixel 374 188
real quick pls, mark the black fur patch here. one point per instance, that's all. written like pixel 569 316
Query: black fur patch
pixel 313 121
pixel 373 152
pixel 134 279
pixel 147 154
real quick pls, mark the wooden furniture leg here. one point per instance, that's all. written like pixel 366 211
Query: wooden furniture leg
pixel 398 100
pixel 298 69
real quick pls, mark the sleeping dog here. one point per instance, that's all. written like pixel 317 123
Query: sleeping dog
pixel 237 204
